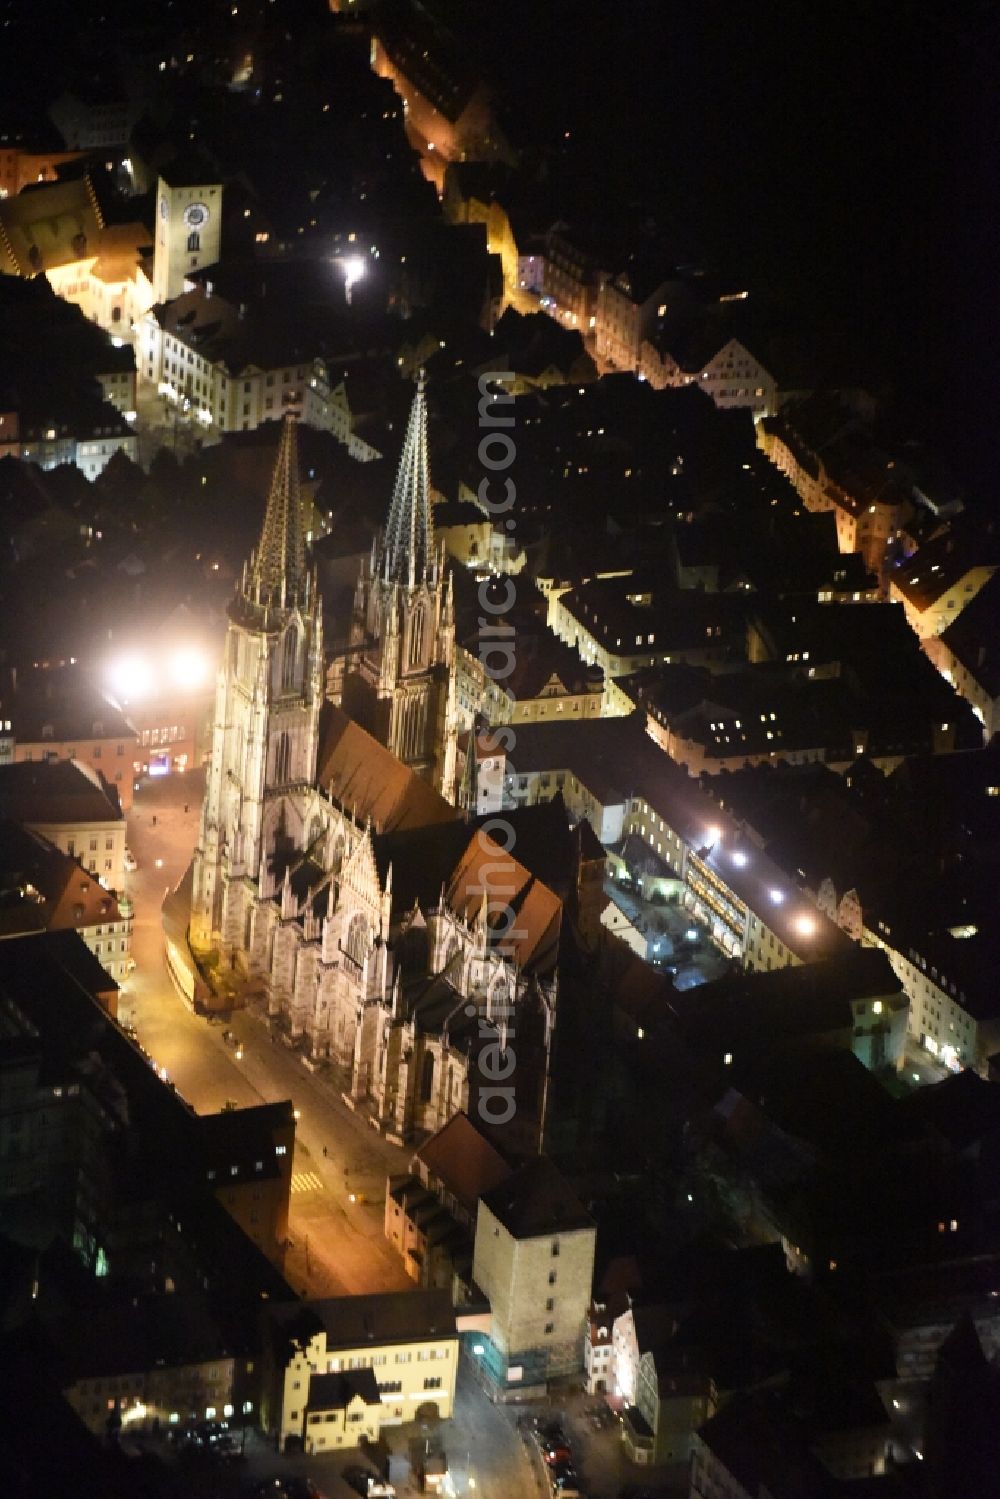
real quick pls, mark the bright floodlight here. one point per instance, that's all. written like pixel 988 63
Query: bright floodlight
pixel 777 896
pixel 188 668
pixel 805 926
pixel 739 859
pixel 354 268
pixel 131 678
pixel 714 834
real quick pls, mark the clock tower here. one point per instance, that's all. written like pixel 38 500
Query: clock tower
pixel 188 225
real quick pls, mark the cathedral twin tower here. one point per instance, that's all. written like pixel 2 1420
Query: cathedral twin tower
pixel 398 683
pixel 399 677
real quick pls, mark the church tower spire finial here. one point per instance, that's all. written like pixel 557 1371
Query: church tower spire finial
pixel 408 546
pixel 278 573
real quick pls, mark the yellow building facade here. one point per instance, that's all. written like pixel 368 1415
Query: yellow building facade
pixel 396 1355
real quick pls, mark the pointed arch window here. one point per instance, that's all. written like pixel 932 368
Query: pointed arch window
pixel 283 759
pixel 412 729
pixel 289 655
pixel 427 1078
pixel 194 241
pixel 356 946
pixel 418 621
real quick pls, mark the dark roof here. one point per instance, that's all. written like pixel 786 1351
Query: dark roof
pixel 762 1008
pixel 761 1448
pixel 191 167
pixel 537 1201
pixel 464 1162
pixel 329 1392
pixel 963 1108
pixel 363 776
pixel 615 759
pixel 42 888
pixel 68 704
pixel 422 859
pixel 543 841
pixel 654 1326
pixel 137 1333
pixel 943 561
pixel 55 791
pixel 359 1321
pixel 974 637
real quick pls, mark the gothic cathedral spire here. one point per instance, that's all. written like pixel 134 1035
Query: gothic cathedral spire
pixel 266 732
pixel 408 545
pixel 277 576
pixel 399 674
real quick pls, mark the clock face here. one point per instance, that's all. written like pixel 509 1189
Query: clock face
pixel 163 208
pixel 195 215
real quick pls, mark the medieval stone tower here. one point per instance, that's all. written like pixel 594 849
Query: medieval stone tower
pixel 188 225
pixel 399 677
pixel 266 732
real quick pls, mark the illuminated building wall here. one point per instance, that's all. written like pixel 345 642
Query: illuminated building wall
pixel 108 284
pixel 733 377
pixel 623 319
pixel 869 513
pixel 973 679
pixel 413 1367
pixel 164 1394
pixel 930 613
pixel 188 233
pixel 20 168
pixel 940 1017
pixel 538 1280
pixel 111 757
pixel 752 911
pixel 569 283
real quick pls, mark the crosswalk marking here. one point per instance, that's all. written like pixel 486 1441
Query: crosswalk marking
pixel 306 1181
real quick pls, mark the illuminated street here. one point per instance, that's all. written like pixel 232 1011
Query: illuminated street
pixel 337 1245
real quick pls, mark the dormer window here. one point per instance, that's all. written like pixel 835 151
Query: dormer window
pixel 98 727
pixel 47 731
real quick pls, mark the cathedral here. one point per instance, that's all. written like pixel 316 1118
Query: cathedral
pixel 394 939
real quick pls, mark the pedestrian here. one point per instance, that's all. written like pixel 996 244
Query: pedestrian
pixel 325 1151
pixel 154 819
pixel 185 806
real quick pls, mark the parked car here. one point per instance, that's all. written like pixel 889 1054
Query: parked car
pixel 556 1454
pixel 301 1488
pixel 364 1481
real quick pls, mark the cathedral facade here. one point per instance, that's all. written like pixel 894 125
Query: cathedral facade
pixel 392 938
